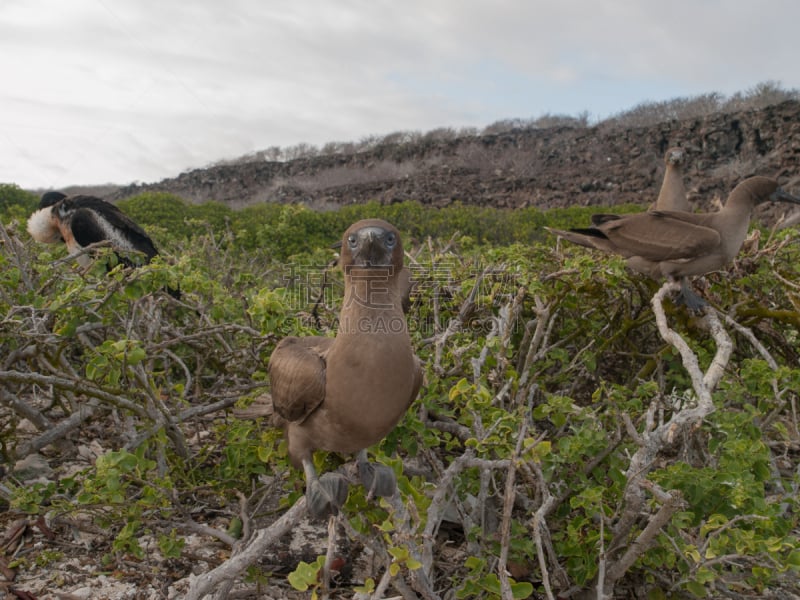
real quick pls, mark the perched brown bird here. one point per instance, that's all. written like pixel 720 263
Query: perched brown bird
pixel 346 393
pixel 672 195
pixel 677 244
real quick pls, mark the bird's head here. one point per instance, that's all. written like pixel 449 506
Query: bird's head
pixel 372 243
pixel 763 189
pixel 675 156
pixel 51 198
pixel 67 207
pixel 43 224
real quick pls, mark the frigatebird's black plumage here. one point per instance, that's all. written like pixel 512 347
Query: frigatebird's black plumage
pixel 80 221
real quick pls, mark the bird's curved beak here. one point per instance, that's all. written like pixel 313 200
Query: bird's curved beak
pixel 781 195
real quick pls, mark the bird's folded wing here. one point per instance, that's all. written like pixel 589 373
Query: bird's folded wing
pixel 589 237
pixel 297 375
pixel 661 235
pixel 117 219
pixel 599 219
pixel 85 229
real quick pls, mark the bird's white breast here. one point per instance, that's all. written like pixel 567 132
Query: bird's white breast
pixel 42 226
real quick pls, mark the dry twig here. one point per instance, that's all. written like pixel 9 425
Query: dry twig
pixel 246 554
pixel 657 437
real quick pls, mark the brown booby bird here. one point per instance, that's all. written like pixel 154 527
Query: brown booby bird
pixel 346 393
pixel 80 221
pixel 672 195
pixel 677 244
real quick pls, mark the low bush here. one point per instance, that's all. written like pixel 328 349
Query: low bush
pixel 523 466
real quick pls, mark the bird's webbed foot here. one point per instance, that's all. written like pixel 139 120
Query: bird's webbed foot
pixel 688 297
pixel 379 480
pixel 325 495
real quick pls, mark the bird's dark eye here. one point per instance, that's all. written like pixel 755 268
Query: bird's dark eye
pixel 391 239
pixel 352 240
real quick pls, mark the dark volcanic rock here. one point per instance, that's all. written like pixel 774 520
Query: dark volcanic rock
pixel 546 168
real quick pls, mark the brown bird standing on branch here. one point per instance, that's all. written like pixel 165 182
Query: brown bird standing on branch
pixel 346 393
pixel 676 244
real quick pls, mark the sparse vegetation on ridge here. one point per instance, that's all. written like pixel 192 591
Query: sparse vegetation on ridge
pixel 543 167
pixel 644 114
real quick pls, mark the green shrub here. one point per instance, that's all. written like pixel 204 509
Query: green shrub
pixel 516 332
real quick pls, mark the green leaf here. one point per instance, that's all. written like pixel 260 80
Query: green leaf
pixel 705 575
pixel 264 454
pixel 400 553
pixel 793 560
pixel 462 387
pixel 367 588
pixel 171 545
pixel 305 575
pixel 697 589
pixel 235 528
pixel 521 589
pixel 136 355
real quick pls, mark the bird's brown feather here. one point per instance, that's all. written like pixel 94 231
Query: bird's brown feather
pixel 297 372
pixel 660 235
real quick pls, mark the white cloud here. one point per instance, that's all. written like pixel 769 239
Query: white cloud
pixel 100 90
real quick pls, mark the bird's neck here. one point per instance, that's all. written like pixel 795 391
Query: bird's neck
pixel 371 299
pixel 738 208
pixel 740 203
pixel 735 219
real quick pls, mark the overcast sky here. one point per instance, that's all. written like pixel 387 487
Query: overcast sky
pixel 98 91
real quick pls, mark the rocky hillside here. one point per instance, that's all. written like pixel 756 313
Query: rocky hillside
pixel 603 165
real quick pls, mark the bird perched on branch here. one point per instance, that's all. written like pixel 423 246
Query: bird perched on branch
pixel 677 244
pixel 346 393
pixel 80 221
